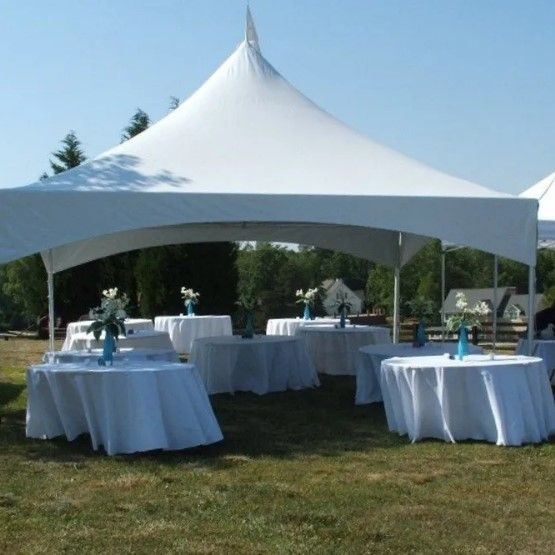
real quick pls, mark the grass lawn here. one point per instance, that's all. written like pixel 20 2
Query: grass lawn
pixel 298 472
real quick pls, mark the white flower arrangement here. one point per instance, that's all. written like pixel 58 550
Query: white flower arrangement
pixel 309 297
pixel 110 315
pixel 189 295
pixel 467 316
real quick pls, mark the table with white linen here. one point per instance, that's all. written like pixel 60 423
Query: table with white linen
pixel 126 409
pixel 507 400
pixel 121 356
pixel 542 348
pixel 335 350
pixel 370 358
pixel 263 364
pixel 142 339
pixel 135 324
pixel 183 330
pixel 288 326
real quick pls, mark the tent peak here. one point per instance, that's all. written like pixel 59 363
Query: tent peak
pixel 251 36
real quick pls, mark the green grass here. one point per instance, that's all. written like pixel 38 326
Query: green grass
pixel 298 472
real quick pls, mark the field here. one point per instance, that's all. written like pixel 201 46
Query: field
pixel 298 472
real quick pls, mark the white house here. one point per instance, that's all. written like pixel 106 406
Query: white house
pixel 337 291
pixel 517 306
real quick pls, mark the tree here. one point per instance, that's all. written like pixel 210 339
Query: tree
pixel 69 156
pixel 174 103
pixel 139 122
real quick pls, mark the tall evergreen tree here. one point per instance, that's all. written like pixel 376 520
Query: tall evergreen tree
pixel 69 156
pixel 139 122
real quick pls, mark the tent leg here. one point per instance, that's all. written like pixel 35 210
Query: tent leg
pixel 442 296
pixel 531 307
pixel 396 308
pixel 50 285
pixel 494 314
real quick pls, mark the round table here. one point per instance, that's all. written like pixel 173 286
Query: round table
pixel 262 364
pixel 288 326
pixel 335 350
pixel 145 339
pixel 507 401
pixel 183 330
pixel 134 324
pixel 126 409
pixel 542 348
pixel 122 356
pixel 370 358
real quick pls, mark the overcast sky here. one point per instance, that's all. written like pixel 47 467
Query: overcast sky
pixel 467 86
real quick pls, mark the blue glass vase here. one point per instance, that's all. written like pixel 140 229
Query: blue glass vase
pixel 108 348
pixel 190 308
pixel 249 326
pixel 307 312
pixel 342 321
pixel 421 335
pixel 462 350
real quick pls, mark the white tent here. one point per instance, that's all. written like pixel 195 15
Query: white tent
pixel 544 193
pixel 247 156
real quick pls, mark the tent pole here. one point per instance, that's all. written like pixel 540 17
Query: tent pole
pixel 396 310
pixel 531 307
pixel 494 315
pixel 442 295
pixel 50 285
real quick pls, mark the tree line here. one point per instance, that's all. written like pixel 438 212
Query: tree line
pixel 153 277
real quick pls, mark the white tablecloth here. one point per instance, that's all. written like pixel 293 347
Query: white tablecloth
pixel 543 348
pixel 126 409
pixel 507 401
pixel 370 358
pixel 262 364
pixel 288 326
pixel 335 350
pixel 139 340
pixel 122 356
pixel 184 330
pixel 134 324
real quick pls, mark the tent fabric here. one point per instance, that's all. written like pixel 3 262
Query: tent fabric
pixel 247 156
pixel 544 193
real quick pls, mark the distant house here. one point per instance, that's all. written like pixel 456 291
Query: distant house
pixel 338 288
pixel 517 306
pixel 486 295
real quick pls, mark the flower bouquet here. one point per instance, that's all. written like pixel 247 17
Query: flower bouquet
pixel 190 298
pixel 109 317
pixel 343 306
pixel 422 309
pixel 309 299
pixel 248 302
pixel 466 318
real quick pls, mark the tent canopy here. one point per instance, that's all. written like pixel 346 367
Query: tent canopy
pixel 544 193
pixel 247 156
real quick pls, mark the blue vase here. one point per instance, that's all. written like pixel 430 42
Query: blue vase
pixel 307 313
pixel 108 348
pixel 420 335
pixel 342 319
pixel 249 326
pixel 463 343
pixel 190 308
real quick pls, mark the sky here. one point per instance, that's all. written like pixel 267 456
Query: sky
pixel 466 86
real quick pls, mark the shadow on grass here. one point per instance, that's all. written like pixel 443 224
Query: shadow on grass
pixel 291 424
pixel 9 392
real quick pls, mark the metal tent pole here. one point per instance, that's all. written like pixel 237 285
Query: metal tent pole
pixel 396 302
pixel 494 315
pixel 531 307
pixel 50 284
pixel 443 295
